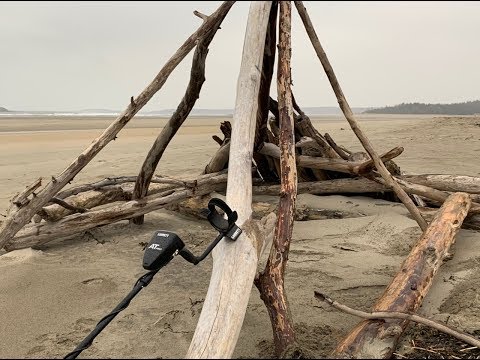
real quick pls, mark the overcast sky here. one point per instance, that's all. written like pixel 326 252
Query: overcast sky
pixel 91 55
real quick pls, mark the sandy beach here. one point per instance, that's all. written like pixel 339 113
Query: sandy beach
pixel 52 297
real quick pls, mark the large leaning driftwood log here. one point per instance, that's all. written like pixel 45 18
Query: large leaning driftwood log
pixel 374 339
pixel 235 264
pixel 270 282
pixel 16 220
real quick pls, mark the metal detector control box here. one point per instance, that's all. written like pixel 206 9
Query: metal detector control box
pixel 161 249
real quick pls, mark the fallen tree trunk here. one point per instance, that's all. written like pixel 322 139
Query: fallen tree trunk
pixel 376 339
pixel 327 187
pixel 39 234
pixel 271 282
pixel 235 263
pixel 85 200
pixel 453 183
pixel 15 221
pixel 197 78
pixel 471 222
pixel 347 111
pixel 337 164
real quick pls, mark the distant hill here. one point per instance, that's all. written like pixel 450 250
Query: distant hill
pixel 2 109
pixel 465 108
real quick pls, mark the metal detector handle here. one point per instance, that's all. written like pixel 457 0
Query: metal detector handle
pixel 225 227
pixel 216 219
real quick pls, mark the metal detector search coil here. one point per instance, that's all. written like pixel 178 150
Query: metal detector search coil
pixel 161 249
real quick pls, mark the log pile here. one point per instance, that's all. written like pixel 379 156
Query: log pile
pixel 270 148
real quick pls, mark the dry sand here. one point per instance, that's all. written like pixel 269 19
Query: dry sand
pixel 52 297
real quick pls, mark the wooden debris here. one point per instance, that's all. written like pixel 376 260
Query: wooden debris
pixel 374 339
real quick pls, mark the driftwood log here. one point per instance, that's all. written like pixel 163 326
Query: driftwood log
pixel 270 282
pixel 16 220
pixel 235 263
pixel 39 234
pixel 375 339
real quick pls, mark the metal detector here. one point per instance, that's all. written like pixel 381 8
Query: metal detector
pixel 161 249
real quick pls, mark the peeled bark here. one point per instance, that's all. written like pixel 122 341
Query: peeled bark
pixel 271 281
pixel 377 339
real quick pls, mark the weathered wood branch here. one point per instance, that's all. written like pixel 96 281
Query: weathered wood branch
pixel 379 315
pixel 305 127
pixel 18 219
pixel 429 193
pixel 369 165
pixel 39 234
pixel 453 183
pixel 200 15
pixel 340 165
pixel 67 206
pixel 340 151
pixel 112 181
pixel 375 339
pixel 219 160
pixel 235 263
pixel 327 187
pixel 197 78
pixel 265 168
pixel 271 282
pixel 83 202
pixel 347 111
pixel 21 199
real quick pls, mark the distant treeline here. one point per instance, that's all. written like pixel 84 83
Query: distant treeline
pixel 465 108
pixel 2 109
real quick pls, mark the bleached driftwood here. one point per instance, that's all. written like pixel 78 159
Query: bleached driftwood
pixel 235 263
pixel 39 234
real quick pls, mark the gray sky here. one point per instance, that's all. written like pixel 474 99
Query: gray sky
pixel 90 55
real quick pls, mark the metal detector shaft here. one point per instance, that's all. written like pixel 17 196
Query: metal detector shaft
pixel 139 285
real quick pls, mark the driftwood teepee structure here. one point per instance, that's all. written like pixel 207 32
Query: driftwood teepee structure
pixel 282 155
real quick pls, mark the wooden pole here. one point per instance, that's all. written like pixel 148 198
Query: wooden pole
pixel 235 263
pixel 270 282
pixel 347 111
pixel 197 78
pixel 375 339
pixel 18 219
